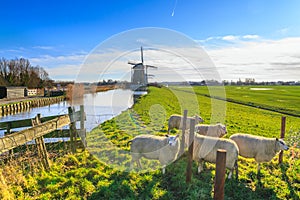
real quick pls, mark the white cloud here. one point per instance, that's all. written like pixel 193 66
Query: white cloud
pixel 60 66
pixel 262 60
pixel 250 36
pixel 230 38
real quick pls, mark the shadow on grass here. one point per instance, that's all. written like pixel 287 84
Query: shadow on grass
pixel 239 190
pixel 242 190
pixel 284 176
pixel 125 185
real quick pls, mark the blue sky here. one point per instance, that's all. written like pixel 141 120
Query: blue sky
pixel 244 39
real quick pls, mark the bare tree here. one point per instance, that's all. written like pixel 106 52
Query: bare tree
pixel 19 72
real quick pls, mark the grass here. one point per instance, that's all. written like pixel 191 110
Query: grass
pixel 103 175
pixel 275 98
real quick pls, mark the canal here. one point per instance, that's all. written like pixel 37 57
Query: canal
pixel 99 107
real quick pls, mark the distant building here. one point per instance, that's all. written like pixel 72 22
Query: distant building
pixel 249 81
pixel 32 92
pixel 36 92
pixel 16 92
pixel 3 92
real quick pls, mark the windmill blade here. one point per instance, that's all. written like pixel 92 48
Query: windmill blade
pixel 142 56
pixel 151 66
pixel 132 63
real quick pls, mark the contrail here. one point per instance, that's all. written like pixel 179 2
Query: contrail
pixel 174 8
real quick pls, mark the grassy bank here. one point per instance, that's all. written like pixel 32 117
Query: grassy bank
pixel 82 176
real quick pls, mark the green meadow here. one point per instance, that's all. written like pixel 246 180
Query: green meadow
pixel 275 98
pixel 101 171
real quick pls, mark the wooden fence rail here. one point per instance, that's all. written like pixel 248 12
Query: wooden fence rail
pixel 24 122
pixel 19 138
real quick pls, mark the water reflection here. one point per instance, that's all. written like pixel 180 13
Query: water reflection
pixel 105 105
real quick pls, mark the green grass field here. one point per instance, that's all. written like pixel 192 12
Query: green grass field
pixel 277 98
pixel 83 176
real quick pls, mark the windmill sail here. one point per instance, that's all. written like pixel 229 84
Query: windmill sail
pixel 142 56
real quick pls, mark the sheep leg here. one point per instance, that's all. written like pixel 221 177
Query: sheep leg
pixel 139 163
pixel 258 169
pixel 236 170
pixel 230 173
pixel 200 166
pixel 163 169
pixel 131 164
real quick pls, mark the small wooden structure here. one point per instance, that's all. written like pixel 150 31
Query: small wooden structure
pixel 12 92
pixel 16 92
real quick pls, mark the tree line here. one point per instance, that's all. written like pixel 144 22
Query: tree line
pixel 19 72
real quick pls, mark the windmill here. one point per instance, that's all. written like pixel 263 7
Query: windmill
pixel 139 73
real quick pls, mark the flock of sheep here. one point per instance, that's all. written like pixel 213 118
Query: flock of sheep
pixel 207 140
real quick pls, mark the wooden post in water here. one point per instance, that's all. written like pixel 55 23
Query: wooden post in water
pixel 220 175
pixel 72 129
pixel 282 133
pixel 40 145
pixel 190 152
pixel 183 123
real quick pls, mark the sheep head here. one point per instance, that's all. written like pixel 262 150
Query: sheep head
pixel 281 144
pixel 198 119
pixel 172 140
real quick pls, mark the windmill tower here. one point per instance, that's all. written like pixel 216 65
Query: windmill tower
pixel 139 73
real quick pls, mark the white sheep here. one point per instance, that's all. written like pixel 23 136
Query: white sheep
pixel 217 130
pixel 162 148
pixel 206 147
pixel 175 121
pixel 260 148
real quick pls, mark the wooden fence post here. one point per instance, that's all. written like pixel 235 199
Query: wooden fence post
pixel 283 122
pixel 220 175
pixel 11 152
pixel 190 152
pixel 72 129
pixel 82 129
pixel 183 123
pixel 40 145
